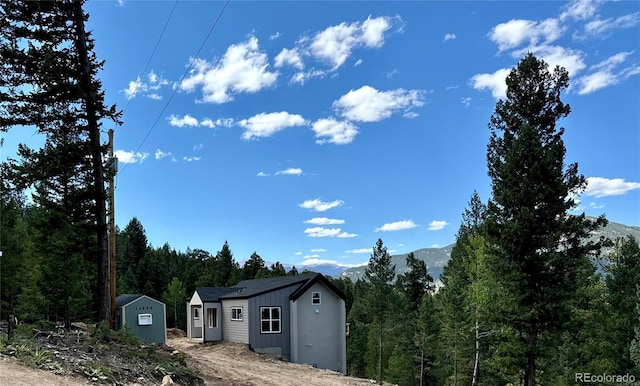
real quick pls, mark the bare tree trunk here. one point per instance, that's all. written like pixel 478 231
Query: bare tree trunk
pixel 380 354
pixel 530 370
pixel 104 299
pixel 476 365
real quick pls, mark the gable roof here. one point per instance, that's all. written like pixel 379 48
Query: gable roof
pixel 249 288
pixel 212 294
pixel 317 278
pixel 125 299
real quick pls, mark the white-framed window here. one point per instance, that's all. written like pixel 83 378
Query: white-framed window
pixel 196 313
pixel 236 313
pixel 270 320
pixel 315 298
pixel 212 317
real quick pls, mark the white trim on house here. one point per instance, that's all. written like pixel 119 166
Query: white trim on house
pixel 236 314
pixel 271 320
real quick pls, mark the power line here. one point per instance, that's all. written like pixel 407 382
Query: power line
pixel 175 89
pixel 146 67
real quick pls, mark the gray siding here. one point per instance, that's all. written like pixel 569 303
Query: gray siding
pixel 278 343
pixel 154 333
pixel 320 330
pixel 212 331
pixel 235 331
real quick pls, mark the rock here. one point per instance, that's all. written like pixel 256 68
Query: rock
pixel 166 381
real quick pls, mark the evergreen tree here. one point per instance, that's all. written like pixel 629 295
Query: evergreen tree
pixel 252 266
pixel 49 78
pixel 539 248
pixel 624 276
pixel 426 339
pixel 277 269
pixel 416 282
pixel 380 272
pixel 293 271
pixel 634 348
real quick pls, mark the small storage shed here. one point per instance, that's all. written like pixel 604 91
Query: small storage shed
pixel 147 317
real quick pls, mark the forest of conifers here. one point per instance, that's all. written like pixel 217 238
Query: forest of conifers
pixel 521 300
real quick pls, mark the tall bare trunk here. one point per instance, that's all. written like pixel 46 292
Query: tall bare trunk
pixel 104 300
pixel 476 365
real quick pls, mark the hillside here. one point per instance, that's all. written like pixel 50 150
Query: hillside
pixel 437 258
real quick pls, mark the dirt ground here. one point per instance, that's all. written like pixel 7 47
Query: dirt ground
pixel 14 374
pixel 234 365
pixel 228 364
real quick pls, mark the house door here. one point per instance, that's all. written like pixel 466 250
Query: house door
pixel 213 330
pixel 196 322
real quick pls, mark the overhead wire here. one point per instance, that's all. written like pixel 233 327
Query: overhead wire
pixel 175 89
pixel 155 48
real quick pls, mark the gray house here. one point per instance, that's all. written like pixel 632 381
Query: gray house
pixel 300 318
pixel 146 316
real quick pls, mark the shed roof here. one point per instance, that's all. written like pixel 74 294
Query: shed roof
pixel 125 299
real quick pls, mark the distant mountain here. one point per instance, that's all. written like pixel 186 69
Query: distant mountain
pixel 437 258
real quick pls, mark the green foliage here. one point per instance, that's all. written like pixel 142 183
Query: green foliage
pixel 126 336
pixel 622 279
pixel 252 266
pixel 634 348
pixel 416 282
pixel 174 297
pixel 539 249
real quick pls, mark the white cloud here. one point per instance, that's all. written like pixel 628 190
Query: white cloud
pixel 191 159
pixel 267 124
pixel 571 60
pixel 495 82
pixel 466 101
pixel 516 32
pixel 263 174
pixel 310 256
pixel 290 58
pixel 242 69
pixel 160 154
pixel 601 187
pixel 436 225
pixel 315 262
pixel 302 76
pixel 360 250
pixel 392 73
pixel 324 221
pixel 601 27
pixel 396 226
pixel 199 146
pixel 337 132
pixel 449 37
pixel 357 63
pixel 318 250
pixel 322 232
pixel 452 87
pixel 154 82
pixel 275 36
pixel 298 253
pixel 290 171
pixel 593 205
pixel 580 9
pixel 367 104
pixel 346 235
pixel 320 206
pixel 187 120
pixel 606 74
pixel 130 157
pixel 336 43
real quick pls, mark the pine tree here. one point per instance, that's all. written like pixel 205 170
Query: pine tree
pixel 624 276
pixel 634 348
pixel 49 78
pixel 252 266
pixel 416 282
pixel 380 272
pixel 539 247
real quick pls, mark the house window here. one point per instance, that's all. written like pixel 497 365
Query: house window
pixel 236 313
pixel 269 320
pixel 196 313
pixel 212 317
pixel 315 298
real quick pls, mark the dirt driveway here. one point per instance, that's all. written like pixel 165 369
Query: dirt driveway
pixel 234 365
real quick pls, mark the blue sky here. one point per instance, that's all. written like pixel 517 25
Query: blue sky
pixel 305 131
